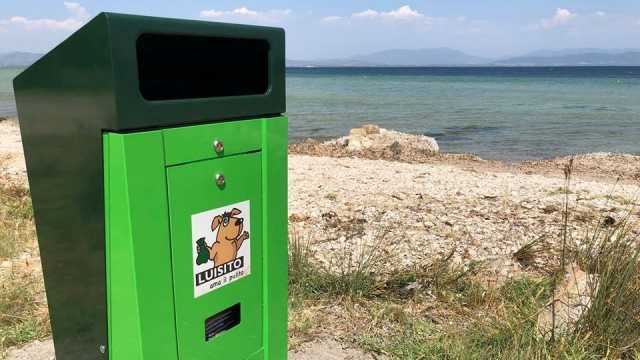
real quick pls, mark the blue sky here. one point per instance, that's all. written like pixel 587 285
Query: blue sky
pixel 333 28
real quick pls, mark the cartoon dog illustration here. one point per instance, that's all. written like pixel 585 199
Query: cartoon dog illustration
pixel 229 239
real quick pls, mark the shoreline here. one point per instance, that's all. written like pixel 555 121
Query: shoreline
pixel 603 166
pixel 322 139
pixel 599 166
pixel 301 146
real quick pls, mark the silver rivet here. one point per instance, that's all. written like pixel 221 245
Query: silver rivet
pixel 220 180
pixel 102 349
pixel 218 145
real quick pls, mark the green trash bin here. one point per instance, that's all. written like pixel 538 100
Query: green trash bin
pixel 157 158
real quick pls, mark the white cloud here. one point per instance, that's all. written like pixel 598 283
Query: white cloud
pixel 561 17
pixel 77 10
pixel 79 16
pixel 331 18
pixel 601 13
pixel 211 14
pixel 244 13
pixel 402 13
pixel 366 14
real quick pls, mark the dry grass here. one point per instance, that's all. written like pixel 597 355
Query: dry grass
pixel 612 323
pixel 444 310
pixel 16 220
pixel 529 252
pixel 23 310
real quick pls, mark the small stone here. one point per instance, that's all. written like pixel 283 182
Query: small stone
pixel 298 217
pixel 609 221
pixel 410 288
pixel 571 301
pixel 395 148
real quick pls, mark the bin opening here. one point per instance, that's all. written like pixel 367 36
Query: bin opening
pixel 175 67
pixel 222 321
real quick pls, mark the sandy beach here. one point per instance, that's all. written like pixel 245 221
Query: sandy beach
pixel 426 210
pixel 417 207
pixel 12 164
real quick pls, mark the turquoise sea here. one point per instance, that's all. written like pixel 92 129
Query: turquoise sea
pixel 7 102
pixel 498 113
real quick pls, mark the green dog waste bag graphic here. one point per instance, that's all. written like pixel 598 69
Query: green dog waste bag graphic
pixel 221 246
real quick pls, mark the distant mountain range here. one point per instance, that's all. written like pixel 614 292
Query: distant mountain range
pixel 400 57
pixel 18 59
pixel 450 57
pixel 578 51
pixel 631 58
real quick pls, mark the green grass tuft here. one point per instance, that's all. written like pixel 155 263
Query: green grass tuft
pixel 350 273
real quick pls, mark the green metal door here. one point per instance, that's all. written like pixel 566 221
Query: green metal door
pixel 217 257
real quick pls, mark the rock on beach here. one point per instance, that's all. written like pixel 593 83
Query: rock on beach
pixel 373 137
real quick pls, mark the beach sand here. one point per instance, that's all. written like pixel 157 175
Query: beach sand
pixel 419 208
pixel 12 164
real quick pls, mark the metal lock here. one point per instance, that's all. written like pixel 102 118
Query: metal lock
pixel 218 146
pixel 220 181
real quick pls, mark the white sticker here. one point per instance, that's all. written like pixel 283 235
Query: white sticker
pixel 221 247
